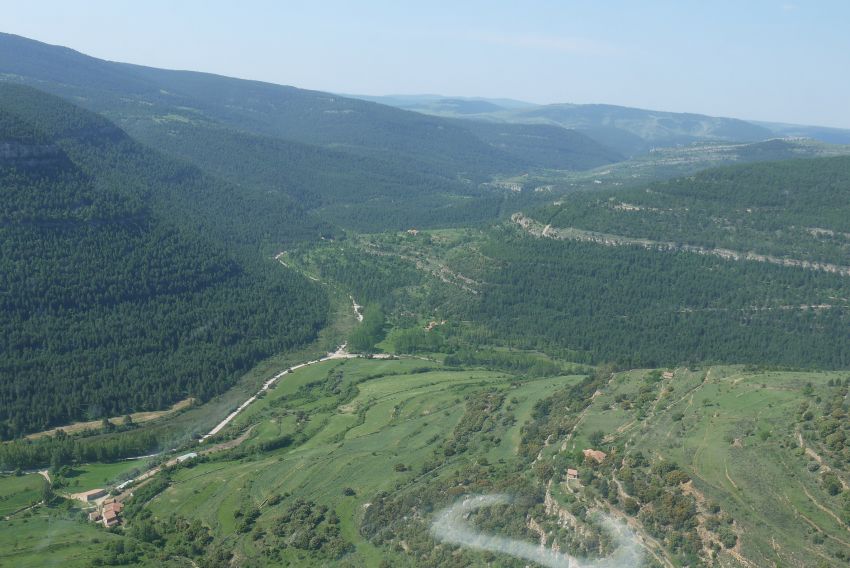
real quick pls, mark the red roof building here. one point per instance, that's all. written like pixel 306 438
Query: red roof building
pixel 110 518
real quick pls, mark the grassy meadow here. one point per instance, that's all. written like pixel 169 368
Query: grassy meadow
pixel 331 438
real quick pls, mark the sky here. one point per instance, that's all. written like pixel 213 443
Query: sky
pixel 782 61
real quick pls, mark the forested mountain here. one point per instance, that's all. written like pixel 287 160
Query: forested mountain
pixel 340 186
pixel 357 164
pixel 121 287
pixel 747 263
pixel 629 131
pixel 433 104
pixel 794 209
pixel 617 126
pixel 312 175
pixel 822 133
pixel 544 145
pixel 643 307
pixel 738 264
pixel 129 93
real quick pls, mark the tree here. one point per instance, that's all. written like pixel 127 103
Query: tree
pixel 596 438
pixel 47 493
pixel 370 331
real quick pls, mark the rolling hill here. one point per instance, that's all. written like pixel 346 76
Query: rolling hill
pixel 629 131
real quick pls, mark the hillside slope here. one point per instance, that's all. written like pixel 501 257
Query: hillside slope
pixel 356 164
pixel 544 146
pixel 130 92
pixel 115 294
pixel 796 209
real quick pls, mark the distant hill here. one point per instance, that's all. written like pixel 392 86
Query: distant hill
pixel 122 286
pixel 545 145
pixel 655 128
pixel 462 106
pixel 419 102
pixel 822 133
pixel 131 93
pixel 629 131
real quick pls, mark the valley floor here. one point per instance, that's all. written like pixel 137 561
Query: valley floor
pixel 329 438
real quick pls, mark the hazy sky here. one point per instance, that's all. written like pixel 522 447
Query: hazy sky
pixel 755 59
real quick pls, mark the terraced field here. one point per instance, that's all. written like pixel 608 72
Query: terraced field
pixel 336 447
pixel 379 440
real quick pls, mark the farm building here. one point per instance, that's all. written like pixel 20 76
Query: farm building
pixel 92 495
pixel 108 513
pixel 186 457
pixel 110 518
pixel 116 507
pixel 594 455
pixel 572 474
pixel 667 375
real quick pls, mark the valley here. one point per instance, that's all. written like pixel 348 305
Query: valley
pixel 248 324
pixel 332 436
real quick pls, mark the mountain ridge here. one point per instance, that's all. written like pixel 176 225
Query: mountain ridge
pixel 312 117
pixel 602 128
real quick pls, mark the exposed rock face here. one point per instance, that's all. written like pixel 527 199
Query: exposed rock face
pixel 539 230
pixel 565 517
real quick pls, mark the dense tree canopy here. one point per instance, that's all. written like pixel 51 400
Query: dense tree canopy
pixel 113 293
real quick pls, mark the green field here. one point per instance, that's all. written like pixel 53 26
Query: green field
pixel 401 411
pixel 333 441
pixel 19 492
pixel 99 475
pixel 42 540
pixel 735 435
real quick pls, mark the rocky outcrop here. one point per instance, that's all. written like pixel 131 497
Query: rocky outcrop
pixel 537 229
